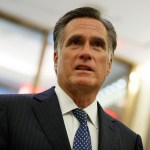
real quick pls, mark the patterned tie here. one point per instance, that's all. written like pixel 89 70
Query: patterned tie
pixel 82 139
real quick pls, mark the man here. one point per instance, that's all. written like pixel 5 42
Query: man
pixel 84 45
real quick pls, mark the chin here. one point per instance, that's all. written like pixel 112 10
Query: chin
pixel 85 83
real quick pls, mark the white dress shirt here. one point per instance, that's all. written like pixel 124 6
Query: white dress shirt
pixel 71 123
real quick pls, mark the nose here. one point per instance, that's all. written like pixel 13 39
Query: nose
pixel 86 52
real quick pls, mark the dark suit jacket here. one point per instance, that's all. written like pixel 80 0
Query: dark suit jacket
pixel 35 122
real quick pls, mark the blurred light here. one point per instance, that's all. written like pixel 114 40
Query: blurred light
pixel 26 88
pixel 142 72
pixel 20 48
pixel 113 93
pixel 134 76
pixel 134 82
pixel 111 113
pixel 145 72
pixel 50 38
pixel 29 88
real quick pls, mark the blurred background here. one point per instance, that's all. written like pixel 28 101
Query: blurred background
pixel 26 54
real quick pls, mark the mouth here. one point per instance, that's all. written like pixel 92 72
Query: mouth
pixel 83 68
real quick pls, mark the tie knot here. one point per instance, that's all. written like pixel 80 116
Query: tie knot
pixel 80 114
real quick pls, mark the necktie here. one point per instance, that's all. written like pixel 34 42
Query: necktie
pixel 82 139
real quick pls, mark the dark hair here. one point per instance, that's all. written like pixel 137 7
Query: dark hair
pixel 82 13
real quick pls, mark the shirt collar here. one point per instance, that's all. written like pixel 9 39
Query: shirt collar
pixel 67 105
pixel 65 101
pixel 91 110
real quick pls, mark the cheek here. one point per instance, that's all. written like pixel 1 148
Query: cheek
pixel 64 61
pixel 104 64
pixel 67 57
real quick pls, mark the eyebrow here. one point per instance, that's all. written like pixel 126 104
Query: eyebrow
pixel 101 40
pixel 94 38
pixel 72 38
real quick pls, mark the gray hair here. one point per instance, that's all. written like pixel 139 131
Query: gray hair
pixel 82 13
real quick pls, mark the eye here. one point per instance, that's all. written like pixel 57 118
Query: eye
pixel 76 42
pixel 98 44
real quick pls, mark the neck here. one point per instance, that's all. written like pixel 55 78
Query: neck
pixel 82 98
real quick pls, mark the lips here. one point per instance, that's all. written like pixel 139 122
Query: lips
pixel 84 68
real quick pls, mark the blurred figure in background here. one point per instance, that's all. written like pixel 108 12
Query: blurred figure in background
pixel 68 116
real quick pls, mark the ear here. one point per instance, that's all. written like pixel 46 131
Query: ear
pixel 55 60
pixel 109 66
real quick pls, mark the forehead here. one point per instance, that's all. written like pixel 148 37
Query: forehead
pixel 85 26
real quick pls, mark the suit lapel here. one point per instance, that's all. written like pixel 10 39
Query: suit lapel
pixel 48 113
pixel 108 133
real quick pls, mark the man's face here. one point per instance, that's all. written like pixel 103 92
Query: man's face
pixel 83 60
